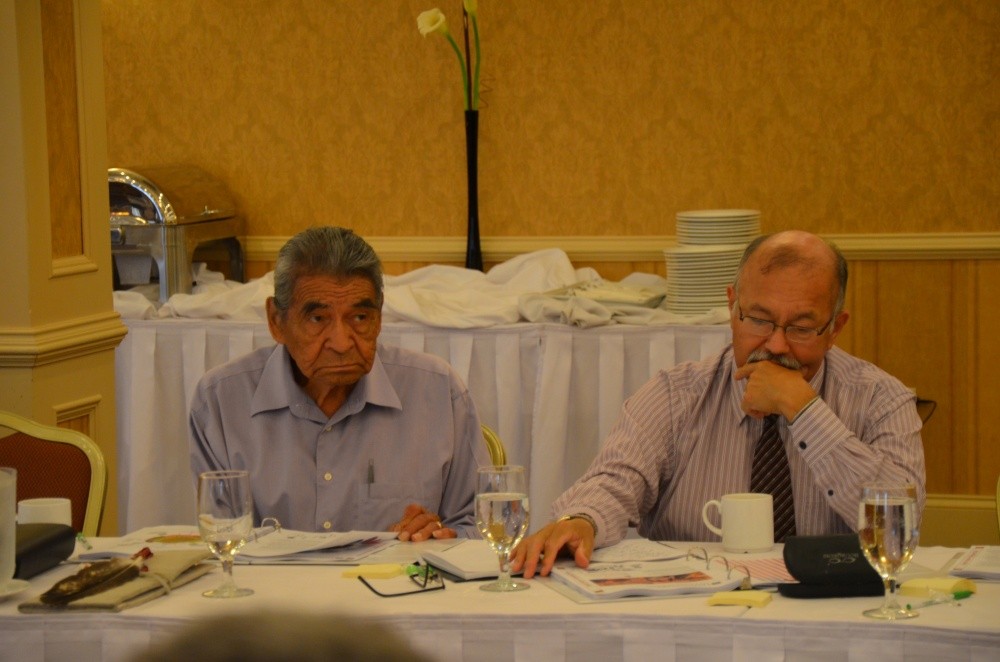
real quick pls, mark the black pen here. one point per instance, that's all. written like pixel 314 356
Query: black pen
pixel 371 475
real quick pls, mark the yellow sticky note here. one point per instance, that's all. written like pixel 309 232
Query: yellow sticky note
pixel 927 586
pixel 375 570
pixel 741 598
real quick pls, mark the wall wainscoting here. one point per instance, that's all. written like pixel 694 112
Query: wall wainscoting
pixel 936 246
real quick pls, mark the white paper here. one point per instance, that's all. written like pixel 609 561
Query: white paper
pixel 980 562
pixel 637 549
pixel 354 553
pixel 156 538
pixel 285 542
pixel 268 545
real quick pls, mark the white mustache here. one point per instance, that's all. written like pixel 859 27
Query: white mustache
pixel 784 360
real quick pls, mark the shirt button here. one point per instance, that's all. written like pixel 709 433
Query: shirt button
pixel 327 428
pixel 802 445
pixel 328 476
pixel 327 525
pixel 829 492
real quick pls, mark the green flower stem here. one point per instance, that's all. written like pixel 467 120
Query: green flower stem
pixel 461 65
pixel 475 80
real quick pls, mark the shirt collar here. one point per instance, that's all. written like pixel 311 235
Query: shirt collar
pixel 277 390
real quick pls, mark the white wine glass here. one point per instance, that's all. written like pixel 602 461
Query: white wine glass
pixel 502 517
pixel 887 530
pixel 225 519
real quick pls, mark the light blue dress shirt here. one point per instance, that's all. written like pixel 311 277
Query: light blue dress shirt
pixel 408 433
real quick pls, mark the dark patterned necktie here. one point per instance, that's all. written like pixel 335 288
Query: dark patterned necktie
pixel 770 475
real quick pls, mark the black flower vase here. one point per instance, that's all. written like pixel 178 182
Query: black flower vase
pixel 473 252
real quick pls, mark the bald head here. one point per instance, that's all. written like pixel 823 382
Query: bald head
pixel 809 253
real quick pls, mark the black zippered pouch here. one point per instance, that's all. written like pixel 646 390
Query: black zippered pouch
pixel 829 567
pixel 40 547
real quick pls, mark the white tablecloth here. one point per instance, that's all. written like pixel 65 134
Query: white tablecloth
pixel 464 623
pixel 552 393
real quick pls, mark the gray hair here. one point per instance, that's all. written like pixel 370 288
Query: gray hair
pixel 324 251
pixel 787 256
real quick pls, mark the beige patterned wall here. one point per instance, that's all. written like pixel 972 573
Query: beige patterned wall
pixel 602 117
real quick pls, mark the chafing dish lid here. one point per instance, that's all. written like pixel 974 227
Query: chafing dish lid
pixel 167 195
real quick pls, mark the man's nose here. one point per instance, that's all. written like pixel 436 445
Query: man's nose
pixel 338 337
pixel 777 343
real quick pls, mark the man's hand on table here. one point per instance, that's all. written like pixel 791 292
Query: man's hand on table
pixel 575 535
pixel 418 524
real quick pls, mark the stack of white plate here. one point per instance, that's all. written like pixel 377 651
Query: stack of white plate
pixel 705 261
pixel 717 226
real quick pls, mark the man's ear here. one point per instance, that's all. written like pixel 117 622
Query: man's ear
pixel 838 325
pixel 274 321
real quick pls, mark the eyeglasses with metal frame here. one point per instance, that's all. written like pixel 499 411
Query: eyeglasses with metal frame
pixel 793 333
pixel 426 577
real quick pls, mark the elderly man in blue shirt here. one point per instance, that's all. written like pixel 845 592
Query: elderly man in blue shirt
pixel 338 432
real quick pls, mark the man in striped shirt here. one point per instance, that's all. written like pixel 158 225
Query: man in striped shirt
pixel 688 435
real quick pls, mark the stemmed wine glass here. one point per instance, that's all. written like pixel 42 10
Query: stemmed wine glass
pixel 502 517
pixel 225 519
pixel 887 529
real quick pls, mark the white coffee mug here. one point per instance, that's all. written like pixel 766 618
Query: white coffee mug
pixel 51 510
pixel 747 522
pixel 8 531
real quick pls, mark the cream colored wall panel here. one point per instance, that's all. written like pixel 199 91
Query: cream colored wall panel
pixel 919 352
pixel 859 335
pixel 83 387
pixel 959 521
pixel 985 392
pixel 961 311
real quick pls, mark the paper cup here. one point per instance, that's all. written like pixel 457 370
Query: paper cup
pixel 48 510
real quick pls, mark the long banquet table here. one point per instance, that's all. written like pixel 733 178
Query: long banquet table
pixel 552 392
pixel 464 623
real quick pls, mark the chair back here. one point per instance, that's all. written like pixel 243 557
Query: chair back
pixel 56 462
pixel 925 408
pixel 498 455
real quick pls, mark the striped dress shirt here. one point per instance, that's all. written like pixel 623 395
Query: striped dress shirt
pixel 682 439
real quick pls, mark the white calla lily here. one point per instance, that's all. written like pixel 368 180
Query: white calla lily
pixel 431 21
pixel 434 21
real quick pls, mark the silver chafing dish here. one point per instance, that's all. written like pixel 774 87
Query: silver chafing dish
pixel 162 215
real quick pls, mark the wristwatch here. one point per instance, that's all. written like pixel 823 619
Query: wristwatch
pixel 584 516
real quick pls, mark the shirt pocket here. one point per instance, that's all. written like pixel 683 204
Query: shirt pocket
pixel 380 505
